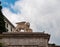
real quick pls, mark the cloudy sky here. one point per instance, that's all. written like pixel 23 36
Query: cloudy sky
pixel 43 15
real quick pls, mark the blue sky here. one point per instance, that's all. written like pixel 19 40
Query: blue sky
pixel 8 3
pixel 43 15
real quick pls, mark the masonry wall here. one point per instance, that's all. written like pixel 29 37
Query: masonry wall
pixel 25 40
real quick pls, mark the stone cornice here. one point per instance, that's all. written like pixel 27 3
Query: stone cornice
pixel 26 35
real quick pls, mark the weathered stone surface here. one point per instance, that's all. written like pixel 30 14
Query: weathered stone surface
pixel 24 39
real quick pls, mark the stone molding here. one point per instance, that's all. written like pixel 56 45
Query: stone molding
pixel 25 34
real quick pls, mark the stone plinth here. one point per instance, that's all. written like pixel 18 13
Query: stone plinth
pixel 25 39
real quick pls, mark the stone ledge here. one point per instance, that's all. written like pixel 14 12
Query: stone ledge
pixel 25 35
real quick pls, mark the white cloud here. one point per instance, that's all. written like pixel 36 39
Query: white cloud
pixel 42 14
pixel 10 15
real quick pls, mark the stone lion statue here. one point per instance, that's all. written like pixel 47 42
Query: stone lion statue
pixel 25 26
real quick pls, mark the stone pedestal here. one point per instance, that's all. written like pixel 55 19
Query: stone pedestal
pixel 25 39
